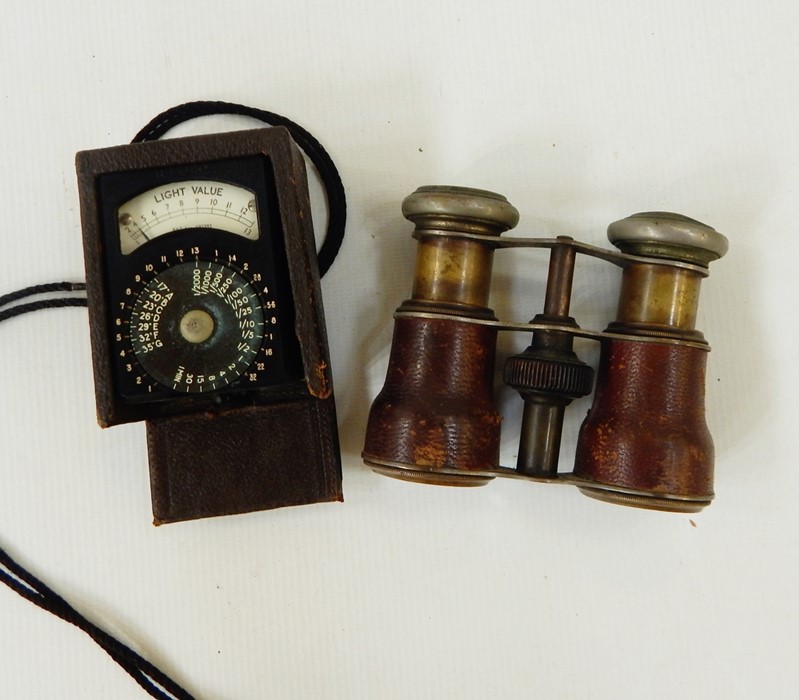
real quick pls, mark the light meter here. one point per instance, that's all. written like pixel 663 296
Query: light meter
pixel 206 319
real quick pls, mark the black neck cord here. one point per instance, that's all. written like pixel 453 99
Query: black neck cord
pixel 52 303
pixel 154 681
pixel 61 294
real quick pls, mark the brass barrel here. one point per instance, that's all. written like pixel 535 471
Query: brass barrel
pixel 645 441
pixel 435 420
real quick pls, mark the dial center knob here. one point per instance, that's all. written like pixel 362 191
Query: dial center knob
pixel 197 326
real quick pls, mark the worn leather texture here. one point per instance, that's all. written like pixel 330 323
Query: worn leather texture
pixel 646 429
pixel 436 408
pixel 248 459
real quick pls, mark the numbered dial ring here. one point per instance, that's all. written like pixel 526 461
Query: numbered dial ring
pixel 197 326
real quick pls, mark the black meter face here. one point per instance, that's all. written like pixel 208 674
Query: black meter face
pixel 206 319
pixel 200 293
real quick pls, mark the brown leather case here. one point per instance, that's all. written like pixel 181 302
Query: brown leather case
pixel 280 446
pixel 243 460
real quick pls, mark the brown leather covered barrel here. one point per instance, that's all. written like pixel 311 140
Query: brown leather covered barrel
pixel 645 436
pixel 436 410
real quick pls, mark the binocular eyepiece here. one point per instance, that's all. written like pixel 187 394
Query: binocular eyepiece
pixel 644 441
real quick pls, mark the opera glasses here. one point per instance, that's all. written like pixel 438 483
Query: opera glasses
pixel 644 441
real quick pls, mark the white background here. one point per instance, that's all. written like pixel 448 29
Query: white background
pixel 580 113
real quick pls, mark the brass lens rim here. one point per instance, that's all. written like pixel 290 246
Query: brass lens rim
pixel 426 475
pixel 650 501
pixel 664 234
pixel 448 476
pixel 460 204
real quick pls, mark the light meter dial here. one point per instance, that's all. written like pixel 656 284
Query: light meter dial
pixel 197 326
pixel 201 319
